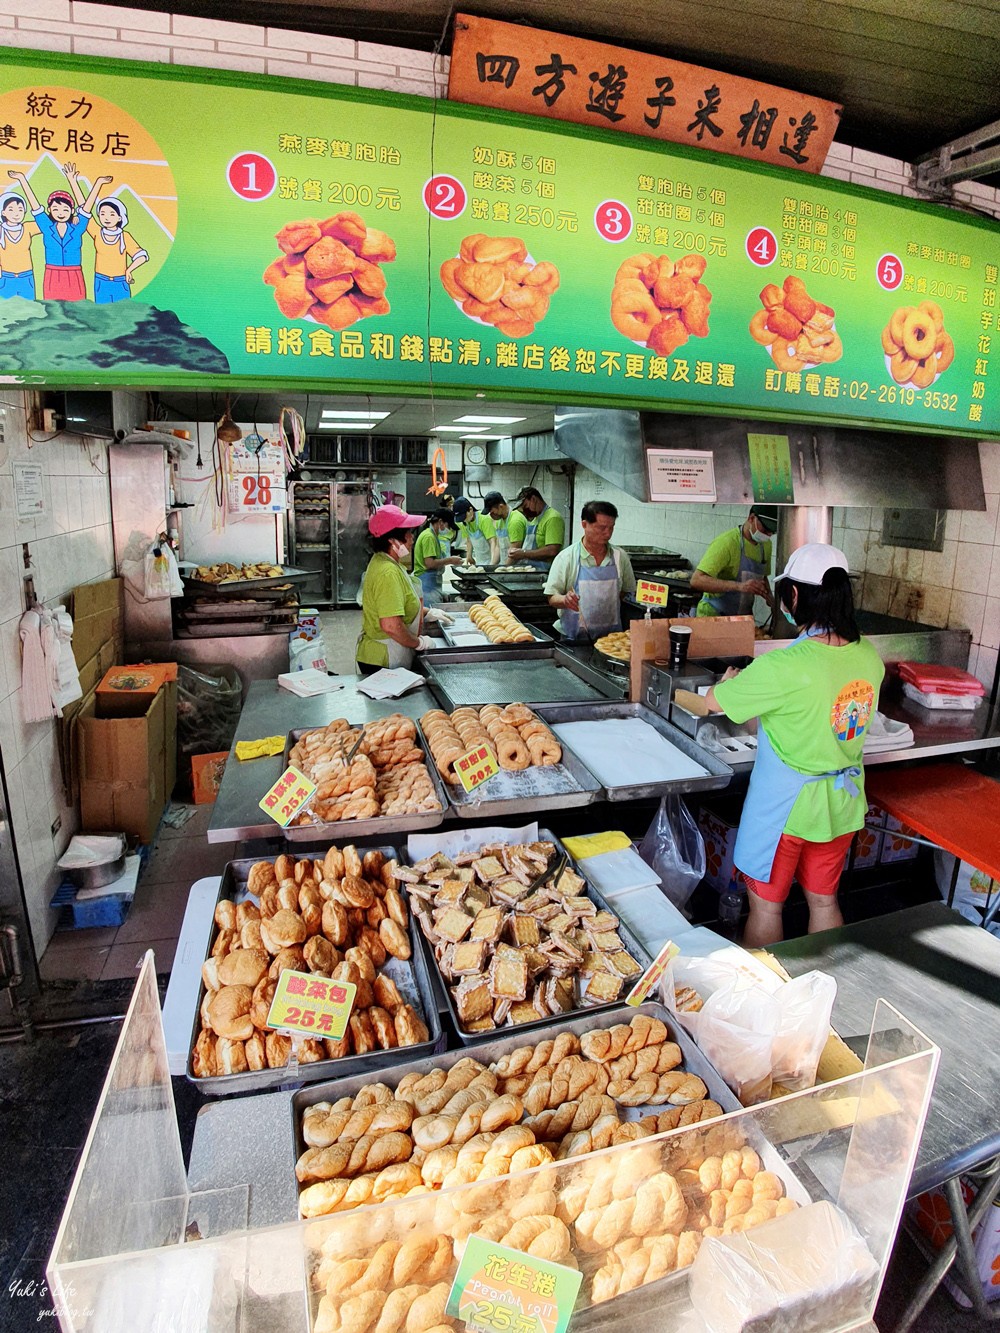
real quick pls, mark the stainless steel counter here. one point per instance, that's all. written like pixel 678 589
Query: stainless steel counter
pixel 271 711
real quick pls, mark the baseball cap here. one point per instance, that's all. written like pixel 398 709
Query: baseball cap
pixel 767 515
pixel 526 491
pixel 391 516
pixel 462 506
pixel 809 563
pixel 491 499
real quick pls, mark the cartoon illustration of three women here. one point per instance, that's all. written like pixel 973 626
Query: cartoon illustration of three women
pixel 62 223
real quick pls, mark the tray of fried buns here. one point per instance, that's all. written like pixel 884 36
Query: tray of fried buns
pixel 604 1147
pixel 518 937
pixel 372 781
pixel 536 771
pixel 337 913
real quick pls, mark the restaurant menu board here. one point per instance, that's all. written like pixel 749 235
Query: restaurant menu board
pixel 280 232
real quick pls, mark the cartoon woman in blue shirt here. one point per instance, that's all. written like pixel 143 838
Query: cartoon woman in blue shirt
pixel 62 228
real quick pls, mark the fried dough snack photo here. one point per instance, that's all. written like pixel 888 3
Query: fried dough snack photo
pixel 916 344
pixel 660 302
pixel 493 280
pixel 798 330
pixel 330 271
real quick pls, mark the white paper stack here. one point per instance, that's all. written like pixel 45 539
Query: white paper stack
pixel 885 734
pixel 389 684
pixel 308 683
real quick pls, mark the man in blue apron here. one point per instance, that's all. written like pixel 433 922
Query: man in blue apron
pixel 494 525
pixel 734 569
pixel 471 536
pixel 538 534
pixel 588 579
pixel 806 796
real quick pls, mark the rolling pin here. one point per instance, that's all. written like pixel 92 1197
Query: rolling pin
pixel 693 703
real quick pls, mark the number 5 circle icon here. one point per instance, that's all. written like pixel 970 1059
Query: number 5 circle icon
pixel 889 272
pixel 445 198
pixel 251 176
pixel 613 221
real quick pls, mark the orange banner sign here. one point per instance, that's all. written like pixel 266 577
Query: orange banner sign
pixel 540 73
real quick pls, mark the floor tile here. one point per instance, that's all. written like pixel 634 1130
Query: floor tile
pixel 72 964
pixel 157 912
pixel 123 959
pixel 82 939
pixel 178 859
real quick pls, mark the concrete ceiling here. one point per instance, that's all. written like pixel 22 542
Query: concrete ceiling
pixel 910 75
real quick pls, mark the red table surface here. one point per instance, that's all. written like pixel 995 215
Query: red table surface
pixel 951 805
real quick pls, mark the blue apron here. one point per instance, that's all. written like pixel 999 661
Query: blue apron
pixel 530 544
pixel 503 539
pixel 431 589
pixel 480 545
pixel 738 603
pixel 599 591
pixel 774 789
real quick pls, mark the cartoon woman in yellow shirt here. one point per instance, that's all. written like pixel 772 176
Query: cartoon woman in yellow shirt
pixel 16 276
pixel 118 253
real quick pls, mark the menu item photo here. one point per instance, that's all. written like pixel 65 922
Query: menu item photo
pixel 660 302
pixel 494 280
pixel 330 270
pixel 916 347
pixel 798 331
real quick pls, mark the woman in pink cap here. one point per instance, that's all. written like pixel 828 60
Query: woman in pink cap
pixel 391 613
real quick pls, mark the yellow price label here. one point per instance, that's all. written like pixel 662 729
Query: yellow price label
pixel 288 797
pixel 311 1006
pixel 651 594
pixel 476 766
pixel 653 974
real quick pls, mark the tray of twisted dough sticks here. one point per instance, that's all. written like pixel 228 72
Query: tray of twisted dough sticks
pixel 599 1147
pixel 389 785
pixel 537 772
pixel 339 914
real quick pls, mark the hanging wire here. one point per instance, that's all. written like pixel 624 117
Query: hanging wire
pixel 438 45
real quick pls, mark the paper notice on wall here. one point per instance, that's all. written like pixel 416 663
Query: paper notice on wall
pixel 29 490
pixel 681 474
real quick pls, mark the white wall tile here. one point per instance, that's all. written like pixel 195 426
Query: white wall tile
pixel 116 16
pixel 994 588
pixel 986 666
pixel 967 611
pixel 939 566
pixel 878 559
pixel 185 25
pixel 990 633
pixel 972 568
pixel 978 526
pixel 989 459
pixel 936 606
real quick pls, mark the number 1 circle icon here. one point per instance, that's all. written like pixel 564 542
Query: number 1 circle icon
pixel 251 176
pixel 762 247
pixel 613 221
pixel 445 198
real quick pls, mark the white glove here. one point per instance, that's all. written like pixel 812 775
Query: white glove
pixel 433 616
pixel 425 643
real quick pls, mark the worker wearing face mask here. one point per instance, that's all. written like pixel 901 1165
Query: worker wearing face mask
pixel 733 571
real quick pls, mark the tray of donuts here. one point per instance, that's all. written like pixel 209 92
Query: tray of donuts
pixel 537 772
pixel 338 913
pixel 559 1147
pixel 387 785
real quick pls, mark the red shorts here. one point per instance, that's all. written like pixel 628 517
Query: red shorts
pixel 816 865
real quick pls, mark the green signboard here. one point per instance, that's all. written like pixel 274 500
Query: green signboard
pixel 165 227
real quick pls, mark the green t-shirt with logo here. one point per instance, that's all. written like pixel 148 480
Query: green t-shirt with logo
pixel 427 544
pixel 815 702
pixel 387 590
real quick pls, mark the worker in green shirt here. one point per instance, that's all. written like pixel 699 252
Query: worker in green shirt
pixel 391 614
pixel 538 535
pixel 734 569
pixel 815 700
pixel 470 532
pixel 588 579
pixel 430 558
pixel 494 523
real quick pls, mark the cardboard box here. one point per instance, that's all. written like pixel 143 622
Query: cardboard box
pixel 206 776
pixel 122 686
pixel 894 847
pixel 929 1213
pixel 711 636
pixel 97 619
pixel 718 828
pixel 122 767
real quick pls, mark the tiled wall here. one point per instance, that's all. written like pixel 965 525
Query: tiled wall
pixel 69 544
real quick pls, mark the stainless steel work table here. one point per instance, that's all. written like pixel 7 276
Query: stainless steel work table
pixel 943 972
pixel 271 711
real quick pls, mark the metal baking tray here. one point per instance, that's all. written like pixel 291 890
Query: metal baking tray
pixel 717 775
pixel 618 667
pixel 556 787
pixel 638 952
pixel 478 676
pixel 520 581
pixel 413 978
pixel 206 629
pixel 246 585
pixel 464 625
pixel 239 608
pixel 488 1052
pixel 382 825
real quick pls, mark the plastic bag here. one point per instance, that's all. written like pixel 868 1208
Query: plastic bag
pixel 736 1028
pixel 306 653
pixel 806 1004
pixel 975 892
pixel 674 848
pixel 160 574
pixel 208 710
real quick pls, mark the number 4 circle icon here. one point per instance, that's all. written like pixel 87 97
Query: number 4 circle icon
pixel 251 176
pixel 762 247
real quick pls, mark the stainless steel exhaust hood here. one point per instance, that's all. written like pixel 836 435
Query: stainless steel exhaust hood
pixel 831 466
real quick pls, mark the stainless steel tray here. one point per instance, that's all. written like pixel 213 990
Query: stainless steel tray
pixel 381 825
pixel 477 676
pixel 558 787
pixel 413 979
pixel 717 774
pixel 490 1051
pixel 463 624
pixel 521 581
pixel 637 950
pixel 246 585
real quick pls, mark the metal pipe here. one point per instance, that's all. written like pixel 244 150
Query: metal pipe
pixel 798 524
pixel 9 1035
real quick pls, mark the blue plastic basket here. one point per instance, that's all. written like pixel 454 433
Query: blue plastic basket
pixel 91 913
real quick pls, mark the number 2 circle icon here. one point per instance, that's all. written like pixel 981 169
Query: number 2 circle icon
pixel 613 221
pixel 251 176
pixel 762 247
pixel 445 197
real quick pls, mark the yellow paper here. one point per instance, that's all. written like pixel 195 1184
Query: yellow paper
pixel 288 797
pixel 258 749
pixel 311 1006
pixel 593 844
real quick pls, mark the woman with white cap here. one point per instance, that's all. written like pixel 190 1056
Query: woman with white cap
pixel 815 699
pixel 391 613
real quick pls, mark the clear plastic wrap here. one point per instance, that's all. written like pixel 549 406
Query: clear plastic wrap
pixel 674 848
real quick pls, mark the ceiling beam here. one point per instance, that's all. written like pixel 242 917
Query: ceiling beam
pixel 973 155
